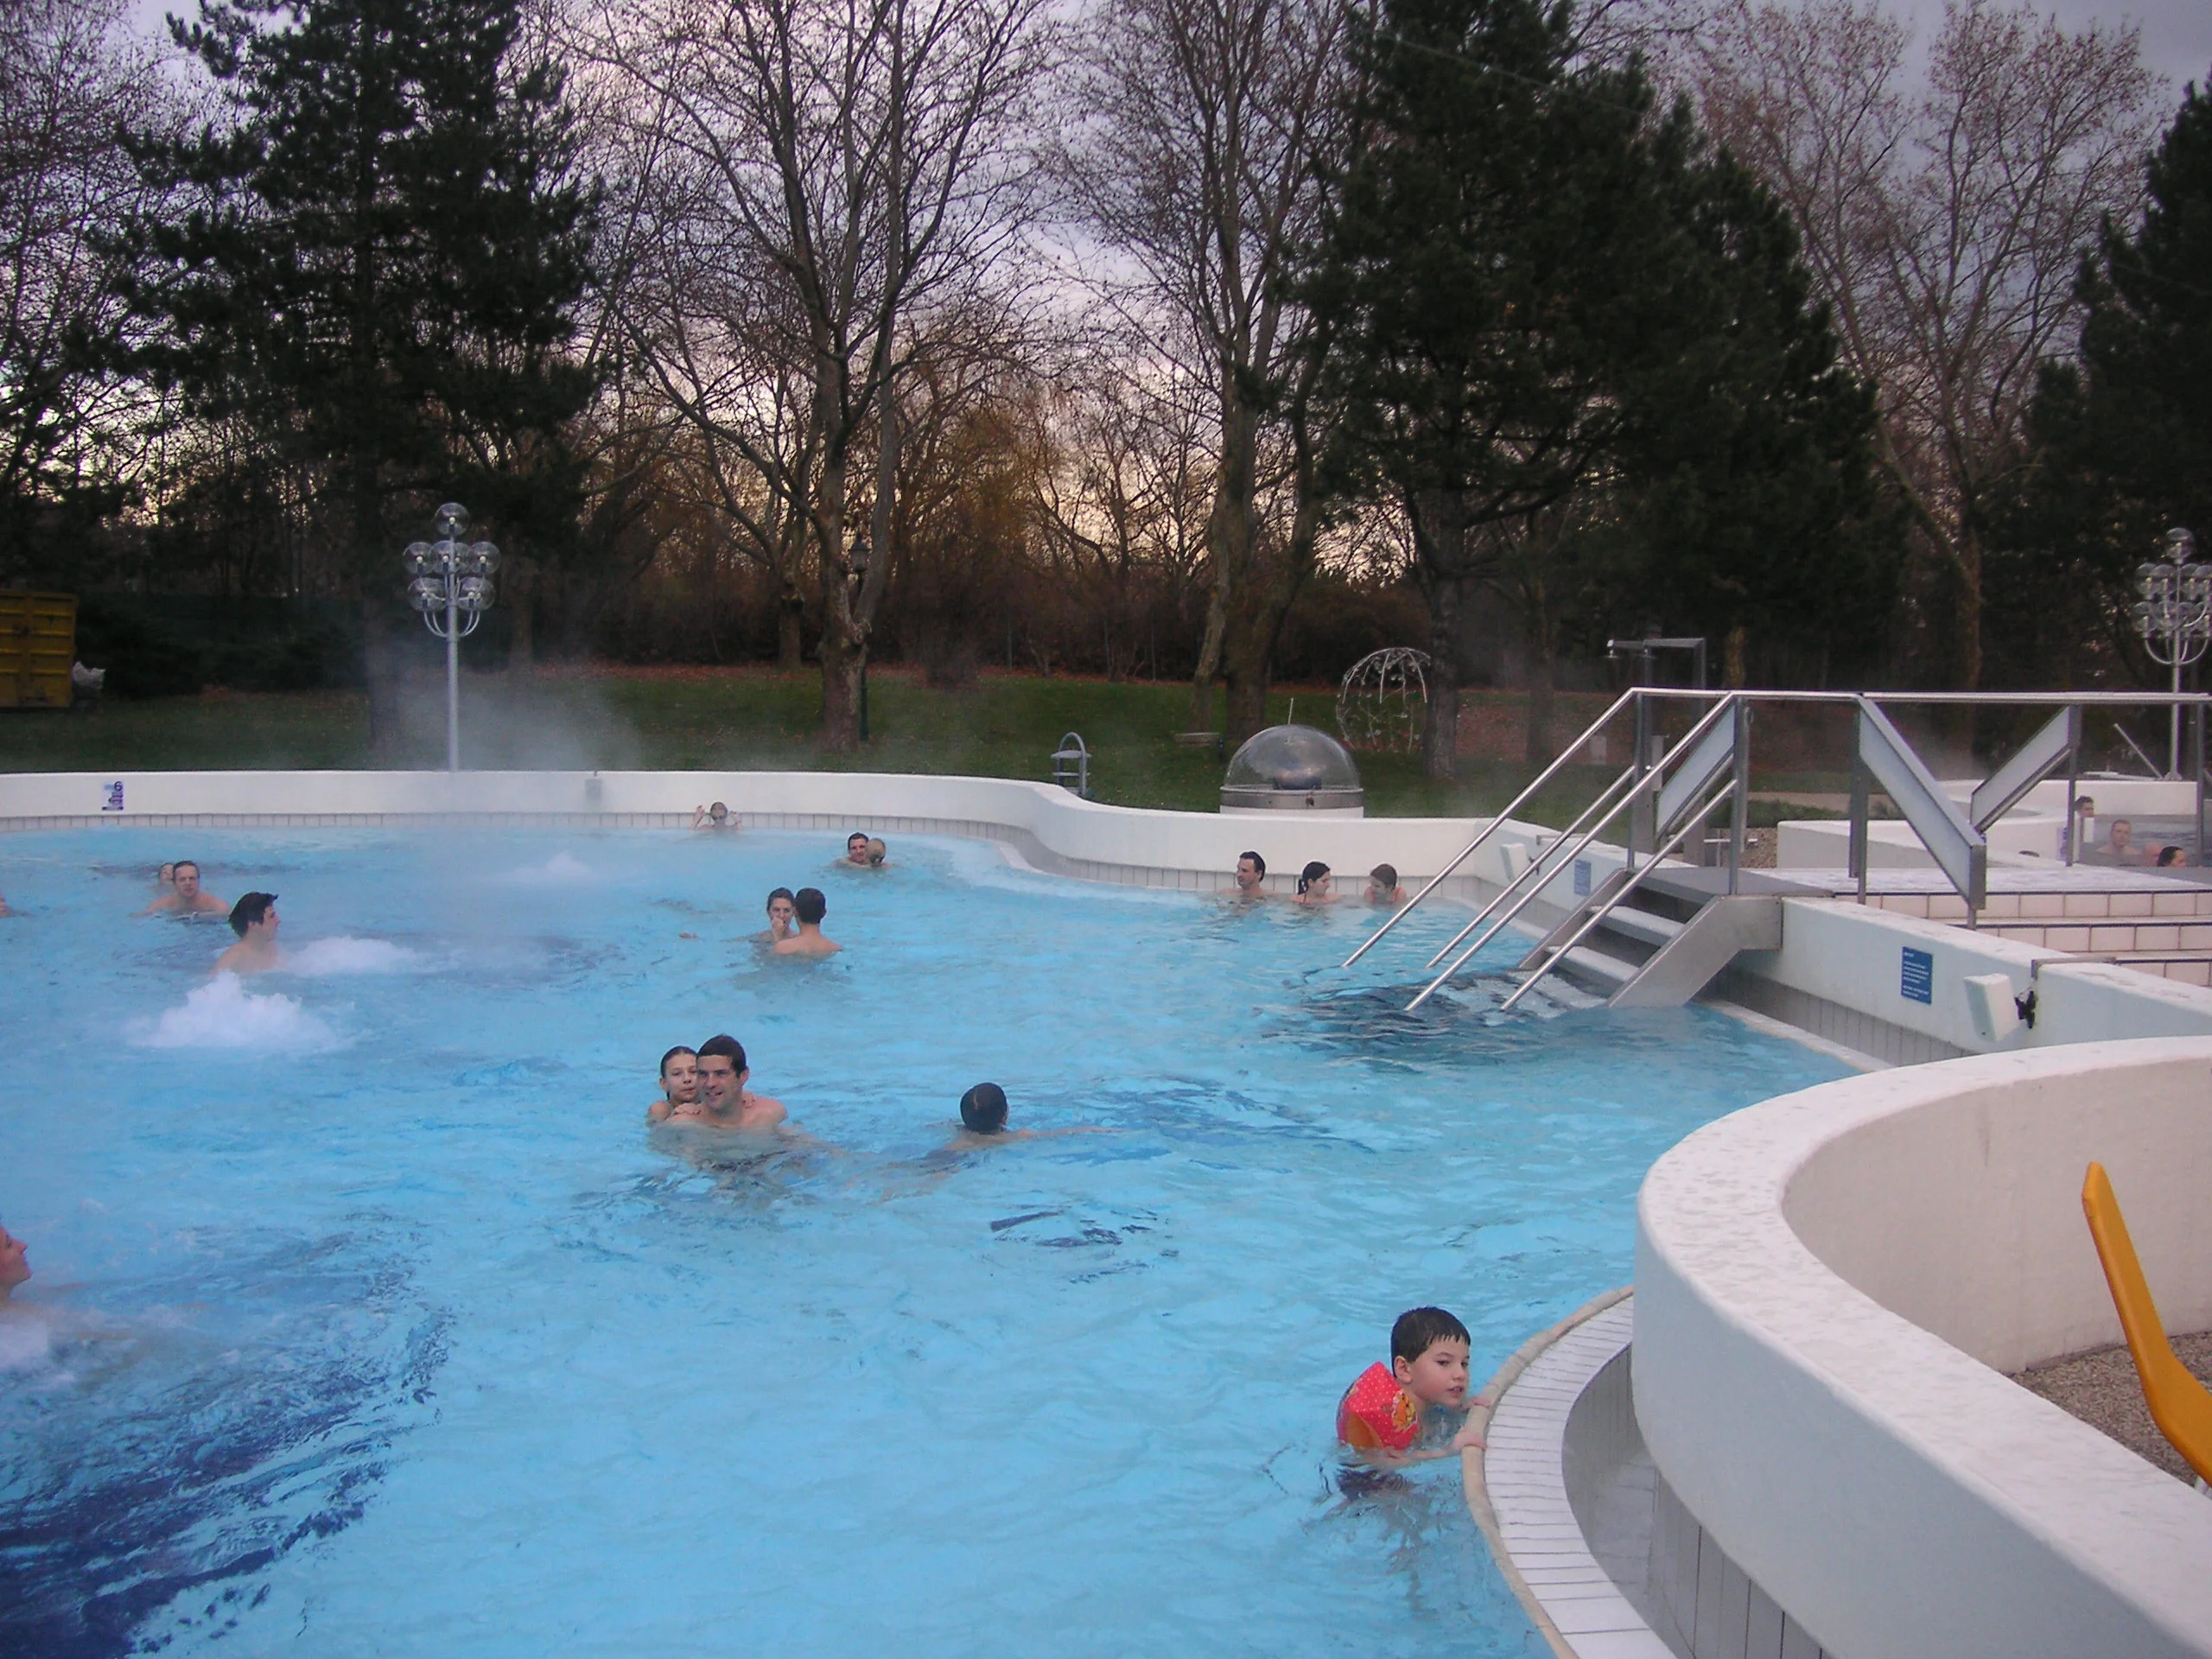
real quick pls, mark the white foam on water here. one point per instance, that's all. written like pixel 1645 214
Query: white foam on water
pixel 26 1340
pixel 223 1013
pixel 320 958
pixel 562 870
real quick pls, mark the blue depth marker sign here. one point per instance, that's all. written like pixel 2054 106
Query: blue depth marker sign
pixel 1917 976
pixel 1582 878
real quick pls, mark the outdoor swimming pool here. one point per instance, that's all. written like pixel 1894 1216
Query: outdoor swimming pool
pixel 370 1319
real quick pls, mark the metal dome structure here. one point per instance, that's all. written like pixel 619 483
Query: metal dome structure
pixel 1382 703
pixel 1295 769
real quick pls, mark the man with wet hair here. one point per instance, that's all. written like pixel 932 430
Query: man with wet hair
pixel 186 896
pixel 724 1101
pixel 807 908
pixel 1251 876
pixel 856 848
pixel 679 1086
pixel 253 919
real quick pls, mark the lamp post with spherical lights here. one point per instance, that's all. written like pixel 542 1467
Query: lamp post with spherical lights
pixel 2174 616
pixel 450 581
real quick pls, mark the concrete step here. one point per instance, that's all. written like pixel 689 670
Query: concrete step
pixel 1596 964
pixel 1643 924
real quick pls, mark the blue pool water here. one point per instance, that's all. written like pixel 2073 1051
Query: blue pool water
pixel 370 1320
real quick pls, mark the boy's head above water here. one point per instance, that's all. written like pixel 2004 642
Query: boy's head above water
pixel 982 1108
pixel 1428 1356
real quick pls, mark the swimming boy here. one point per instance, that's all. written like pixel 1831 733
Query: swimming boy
pixel 724 1101
pixel 877 854
pixel 807 908
pixel 779 919
pixel 856 848
pixel 185 896
pixel 982 1120
pixel 1381 1414
pixel 679 1086
pixel 1382 886
pixel 253 919
pixel 1251 876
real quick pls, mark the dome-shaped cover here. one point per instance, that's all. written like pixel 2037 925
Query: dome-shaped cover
pixel 1284 761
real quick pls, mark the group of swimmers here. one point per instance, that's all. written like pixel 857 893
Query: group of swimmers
pixel 1314 883
pixel 177 892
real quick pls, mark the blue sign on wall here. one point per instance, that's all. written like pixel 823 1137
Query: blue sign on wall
pixel 1917 977
pixel 1582 878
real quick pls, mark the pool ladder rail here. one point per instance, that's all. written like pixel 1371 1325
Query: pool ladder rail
pixel 1072 764
pixel 1655 933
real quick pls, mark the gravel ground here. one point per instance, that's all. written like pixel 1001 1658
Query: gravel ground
pixel 2101 1389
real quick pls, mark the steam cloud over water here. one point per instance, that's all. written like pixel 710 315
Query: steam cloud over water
pixel 562 870
pixel 223 1013
pixel 322 958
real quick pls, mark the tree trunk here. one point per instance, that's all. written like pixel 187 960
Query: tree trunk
pixel 1210 655
pixel 1732 659
pixel 522 597
pixel 790 612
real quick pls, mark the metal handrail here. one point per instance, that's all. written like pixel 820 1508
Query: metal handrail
pixel 1529 898
pixel 1632 778
pixel 1613 901
pixel 1498 823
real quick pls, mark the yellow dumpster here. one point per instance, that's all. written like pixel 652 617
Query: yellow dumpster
pixel 38 644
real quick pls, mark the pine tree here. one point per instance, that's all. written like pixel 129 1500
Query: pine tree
pixel 1551 306
pixel 381 262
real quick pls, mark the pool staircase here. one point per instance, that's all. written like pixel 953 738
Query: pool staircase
pixel 1656 930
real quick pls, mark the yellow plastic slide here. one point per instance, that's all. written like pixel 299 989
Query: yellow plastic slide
pixel 2179 1404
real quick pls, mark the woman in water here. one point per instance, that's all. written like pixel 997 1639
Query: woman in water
pixel 1314 885
pixel 779 919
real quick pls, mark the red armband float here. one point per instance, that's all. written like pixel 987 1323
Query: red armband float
pixel 1376 1414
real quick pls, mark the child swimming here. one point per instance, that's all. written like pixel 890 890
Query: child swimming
pixel 1380 1416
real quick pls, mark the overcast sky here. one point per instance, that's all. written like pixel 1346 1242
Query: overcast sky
pixel 2176 33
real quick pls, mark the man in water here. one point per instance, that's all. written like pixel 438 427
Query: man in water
pixel 679 1086
pixel 2120 843
pixel 724 1101
pixel 807 908
pixel 15 1263
pixel 856 849
pixel 1251 876
pixel 186 896
pixel 253 919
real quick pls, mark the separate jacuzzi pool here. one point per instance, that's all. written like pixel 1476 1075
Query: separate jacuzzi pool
pixel 370 1319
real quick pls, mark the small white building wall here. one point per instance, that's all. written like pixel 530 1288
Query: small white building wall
pixel 1894 1493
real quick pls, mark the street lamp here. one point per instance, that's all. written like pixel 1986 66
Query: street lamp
pixel 2174 616
pixel 450 581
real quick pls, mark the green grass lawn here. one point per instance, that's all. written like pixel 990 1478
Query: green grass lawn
pixel 1004 726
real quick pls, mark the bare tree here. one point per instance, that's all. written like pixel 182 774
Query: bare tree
pixel 856 165
pixel 70 76
pixel 1943 222
pixel 1197 164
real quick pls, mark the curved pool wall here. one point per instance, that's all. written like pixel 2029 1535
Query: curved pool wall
pixel 1054 831
pixel 1829 1288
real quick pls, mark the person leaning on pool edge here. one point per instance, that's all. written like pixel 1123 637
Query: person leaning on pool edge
pixel 1251 876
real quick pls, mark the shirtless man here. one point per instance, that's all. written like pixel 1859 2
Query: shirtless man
pixel 679 1086
pixel 186 897
pixel 807 908
pixel 1251 876
pixel 253 919
pixel 15 1263
pixel 724 1101
pixel 856 848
